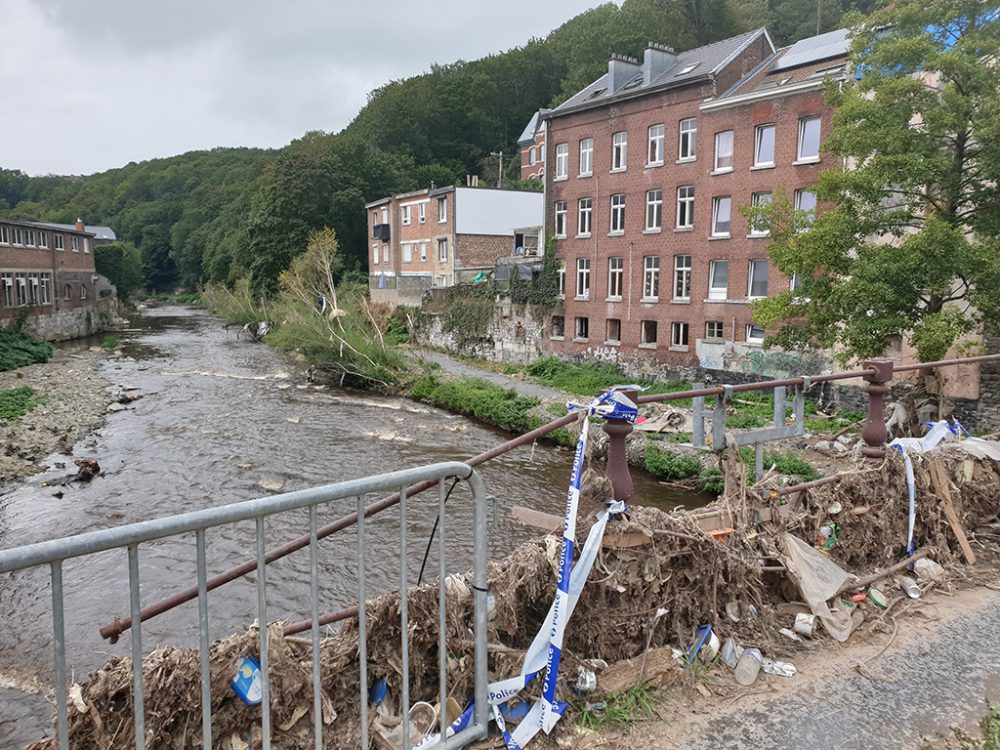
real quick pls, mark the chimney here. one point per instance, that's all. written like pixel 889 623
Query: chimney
pixel 656 60
pixel 621 69
pixel 80 226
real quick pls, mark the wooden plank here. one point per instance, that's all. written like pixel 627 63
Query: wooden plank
pixel 942 488
pixel 657 666
pixel 552 524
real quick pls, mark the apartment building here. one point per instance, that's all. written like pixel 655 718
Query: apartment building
pixel 441 237
pixel 532 147
pixel 649 168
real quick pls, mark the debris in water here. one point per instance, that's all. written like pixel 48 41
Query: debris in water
pixel 89 468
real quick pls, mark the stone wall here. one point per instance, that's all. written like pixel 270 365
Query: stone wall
pixel 515 334
pixel 76 322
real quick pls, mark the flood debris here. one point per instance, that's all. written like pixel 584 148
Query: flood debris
pixel 88 468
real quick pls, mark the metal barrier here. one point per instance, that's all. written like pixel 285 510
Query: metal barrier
pixel 55 552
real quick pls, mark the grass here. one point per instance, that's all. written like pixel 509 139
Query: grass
pixel 478 398
pixel 110 342
pixel 989 727
pixel 625 707
pixel 784 463
pixel 18 349
pixel 827 425
pixel 590 378
pixel 16 402
pixel 665 465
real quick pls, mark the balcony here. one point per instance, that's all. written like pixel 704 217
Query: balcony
pixel 380 232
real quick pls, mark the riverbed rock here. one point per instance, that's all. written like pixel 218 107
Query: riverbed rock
pixel 823 446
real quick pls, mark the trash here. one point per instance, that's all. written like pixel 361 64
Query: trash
pixel 733 611
pixel 909 586
pixel 834 508
pixel 778 668
pixel 805 624
pixel 790 635
pixel 598 706
pixel 515 709
pixel 378 691
pixel 820 579
pixel 927 570
pixel 702 636
pixel 731 653
pixel 749 666
pixel 860 510
pixel 877 598
pixel 89 468
pixel 856 598
pixel 246 684
pixel 829 535
pixel 656 667
pixel 586 682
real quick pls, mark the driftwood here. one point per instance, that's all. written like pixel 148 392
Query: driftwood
pixel 942 489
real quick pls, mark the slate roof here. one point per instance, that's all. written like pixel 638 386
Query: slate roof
pixel 691 65
pixel 528 135
pixel 100 233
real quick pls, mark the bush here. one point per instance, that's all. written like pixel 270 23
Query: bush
pixel 16 402
pixel 18 349
pixel 664 465
pixel 713 480
pixel 110 342
pixel 582 379
pixel 784 463
pixel 480 399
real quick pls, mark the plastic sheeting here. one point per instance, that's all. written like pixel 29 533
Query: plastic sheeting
pixel 819 579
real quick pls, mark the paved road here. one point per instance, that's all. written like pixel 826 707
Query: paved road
pixel 457 367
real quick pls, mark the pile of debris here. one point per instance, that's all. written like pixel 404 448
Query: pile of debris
pixel 678 579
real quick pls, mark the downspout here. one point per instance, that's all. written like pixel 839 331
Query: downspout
pixel 55 282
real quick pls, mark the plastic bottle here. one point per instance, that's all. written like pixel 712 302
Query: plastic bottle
pixel 748 666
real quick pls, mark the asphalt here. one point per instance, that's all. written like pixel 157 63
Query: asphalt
pixel 911 693
pixel 457 367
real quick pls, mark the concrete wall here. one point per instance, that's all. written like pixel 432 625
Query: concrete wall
pixel 74 323
pixel 515 334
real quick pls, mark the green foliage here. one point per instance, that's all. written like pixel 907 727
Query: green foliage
pixel 910 246
pixel 989 727
pixel 110 342
pixel 713 480
pixel 477 398
pixel 584 379
pixel 784 463
pixel 543 287
pixel 16 402
pixel 18 349
pixel 835 423
pixel 468 318
pixel 630 705
pixel 665 465
pixel 121 263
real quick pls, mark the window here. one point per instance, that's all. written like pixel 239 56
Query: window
pixel 4 236
pixel 583 278
pixel 560 218
pixel 618 213
pixel 616 273
pixel 83 291
pixel 585 216
pixel 718 279
pixel 375 254
pixel 759 226
pixel 654 210
pixel 754 334
pixel 57 241
pixel 682 277
pixel 374 219
pixel 22 289
pixel 619 151
pixel 651 277
pixel 685 207
pixel 688 137
pixel 713 329
pixel 385 253
pixel 86 244
pixel 423 252
pixel 404 213
pixel 443 209
pixel 562 161
pixel 562 281
pixel 407 252
pixel 763 152
pixel 647 333
pixel 421 212
pixel 758 279
pixel 443 249
pixel 67 291
pixel 582 330
pixel 655 155
pixel 33 288
pixel 724 151
pixel 7 284
pixel 721 209
pixel 808 139
pixel 385 214
pixel 532 156
pixel 74 243
pixel 557 328
pixel 805 200
pixel 29 238
pixel 679 334
pixel 43 239
pixel 19 236
pixel 586 157
pixel 796 282
pixel 613 331
pixel 45 288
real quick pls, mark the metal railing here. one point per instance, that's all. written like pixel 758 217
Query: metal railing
pixel 54 552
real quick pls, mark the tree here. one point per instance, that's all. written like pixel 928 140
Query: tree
pixel 909 245
pixel 121 263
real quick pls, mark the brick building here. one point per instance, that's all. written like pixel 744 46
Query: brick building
pixel 532 146
pixel 47 276
pixel 442 236
pixel 648 169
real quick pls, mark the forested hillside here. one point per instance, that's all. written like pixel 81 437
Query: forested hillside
pixel 219 215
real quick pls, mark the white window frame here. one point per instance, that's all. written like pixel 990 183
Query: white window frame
pixel 17 237
pixel 7 282
pixel 582 288
pixel 59 242
pixel 607 331
pixel 717 204
pixel 421 212
pixel 616 278
pixel 385 215
pixel 687 201
pixel 407 252
pixel 4 235
pixel 29 237
pixel 751 336
pixel 654 210
pixel 617 214
pixel 560 219
pixel 715 325
pixel 43 240
pixel 375 250
pixel 798 202
pixel 561 274
pixel 74 243
pixel 680 335
pixel 562 162
pixel 682 278
pixel 651 278
pixel 687 139
pixel 21 289
pixel 804 124
pixel 443 250
pixel 423 251
pixel 579 334
pixel 385 252
pixel 83 290
pixel 755 264
pixel 619 151
pixel 757 199
pixel 725 148
pixel 657 141
pixel 86 245
pixel 758 141
pixel 586 157
pixel 442 209
pixel 716 291
pixel 404 215
pixel 585 217
pixel 647 327
pixel 532 156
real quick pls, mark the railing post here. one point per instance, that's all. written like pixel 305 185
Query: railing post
pixel 618 472
pixel 874 433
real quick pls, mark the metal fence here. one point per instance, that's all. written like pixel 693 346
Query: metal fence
pixel 54 552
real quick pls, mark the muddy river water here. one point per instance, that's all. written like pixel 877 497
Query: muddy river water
pixel 222 420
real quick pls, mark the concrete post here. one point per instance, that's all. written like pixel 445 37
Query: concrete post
pixel 618 472
pixel 874 433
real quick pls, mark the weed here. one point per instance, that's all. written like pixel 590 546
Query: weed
pixel 835 423
pixel 590 378
pixel 989 727
pixel 16 402
pixel 634 704
pixel 18 349
pixel 556 410
pixel 713 480
pixel 110 342
pixel 784 463
pixel 665 465
pixel 478 398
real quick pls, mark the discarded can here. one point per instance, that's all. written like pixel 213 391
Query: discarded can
pixel 805 624
pixel 877 598
pixel 246 683
pixel 789 634
pixel 749 666
pixel 598 706
pixel 778 668
pixel 586 682
pixel 910 587
pixel 829 535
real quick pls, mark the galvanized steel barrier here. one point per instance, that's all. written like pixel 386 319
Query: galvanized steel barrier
pixel 54 552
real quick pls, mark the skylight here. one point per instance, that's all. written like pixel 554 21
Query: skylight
pixel 687 69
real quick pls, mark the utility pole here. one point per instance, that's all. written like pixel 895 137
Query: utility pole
pixel 499 154
pixel 819 15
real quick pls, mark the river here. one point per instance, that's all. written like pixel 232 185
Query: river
pixel 222 420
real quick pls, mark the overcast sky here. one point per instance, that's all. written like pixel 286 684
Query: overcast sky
pixel 87 85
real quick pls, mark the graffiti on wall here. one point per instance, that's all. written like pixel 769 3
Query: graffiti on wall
pixel 753 360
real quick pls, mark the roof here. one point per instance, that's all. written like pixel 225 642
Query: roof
pixel 695 64
pixel 815 48
pixel 100 233
pixel 528 135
